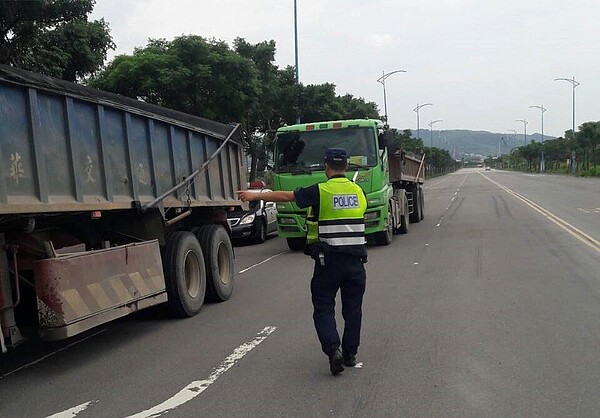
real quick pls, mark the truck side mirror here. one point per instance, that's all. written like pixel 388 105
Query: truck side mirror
pixel 385 138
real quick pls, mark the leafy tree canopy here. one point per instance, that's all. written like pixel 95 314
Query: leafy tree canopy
pixel 53 37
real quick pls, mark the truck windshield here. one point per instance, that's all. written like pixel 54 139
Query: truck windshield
pixel 304 151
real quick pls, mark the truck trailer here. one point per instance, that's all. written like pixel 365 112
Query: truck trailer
pixel 108 205
pixel 391 179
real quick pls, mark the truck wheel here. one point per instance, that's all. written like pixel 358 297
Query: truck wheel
pixel 296 244
pixel 260 235
pixel 403 229
pixel 185 274
pixel 385 237
pixel 422 203
pixel 415 217
pixel 218 257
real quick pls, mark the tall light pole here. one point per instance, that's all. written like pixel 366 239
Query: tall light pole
pixel 382 81
pixel 514 132
pixel 524 127
pixel 542 162
pixel 433 122
pixel 416 109
pixel 574 84
pixel 296 53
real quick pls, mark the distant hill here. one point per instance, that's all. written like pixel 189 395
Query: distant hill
pixel 462 141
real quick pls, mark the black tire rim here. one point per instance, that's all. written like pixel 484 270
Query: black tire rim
pixel 223 262
pixel 389 227
pixel 192 274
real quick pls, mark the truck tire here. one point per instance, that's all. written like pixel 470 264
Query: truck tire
pixel 385 237
pixel 415 217
pixel 422 203
pixel 403 229
pixel 260 235
pixel 185 274
pixel 218 257
pixel 296 244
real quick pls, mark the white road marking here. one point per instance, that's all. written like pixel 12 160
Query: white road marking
pixel 72 412
pixel 261 262
pixel 359 365
pixel 452 200
pixel 197 387
pixel 50 355
pixel 574 231
pixel 415 263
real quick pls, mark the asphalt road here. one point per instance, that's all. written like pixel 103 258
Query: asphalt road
pixel 490 307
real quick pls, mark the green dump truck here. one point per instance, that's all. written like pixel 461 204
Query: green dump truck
pixel 391 179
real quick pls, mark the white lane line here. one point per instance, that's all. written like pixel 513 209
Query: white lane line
pixel 451 201
pixel 72 412
pixel 197 387
pixel 574 231
pixel 50 355
pixel 261 262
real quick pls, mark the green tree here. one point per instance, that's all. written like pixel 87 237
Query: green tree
pixel 405 141
pixel 53 37
pixel 319 102
pixel 191 74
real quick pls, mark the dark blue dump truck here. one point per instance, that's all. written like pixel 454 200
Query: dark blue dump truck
pixel 108 205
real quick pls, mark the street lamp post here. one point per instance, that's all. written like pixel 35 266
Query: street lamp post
pixel 296 53
pixel 542 162
pixel 514 132
pixel 524 127
pixel 574 84
pixel 382 81
pixel 433 122
pixel 416 109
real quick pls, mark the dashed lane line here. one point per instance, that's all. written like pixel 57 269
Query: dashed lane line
pixel 452 201
pixel 51 354
pixel 72 412
pixel 261 262
pixel 197 387
pixel 572 230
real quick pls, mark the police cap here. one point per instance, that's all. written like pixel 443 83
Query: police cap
pixel 336 155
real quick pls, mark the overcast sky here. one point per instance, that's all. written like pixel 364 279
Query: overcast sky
pixel 481 63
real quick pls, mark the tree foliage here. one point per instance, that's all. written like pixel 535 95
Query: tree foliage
pixel 240 83
pixel 558 153
pixel 53 37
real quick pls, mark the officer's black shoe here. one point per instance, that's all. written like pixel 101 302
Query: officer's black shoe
pixel 349 361
pixel 336 362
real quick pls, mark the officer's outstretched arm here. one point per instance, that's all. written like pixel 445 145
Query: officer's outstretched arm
pixel 279 196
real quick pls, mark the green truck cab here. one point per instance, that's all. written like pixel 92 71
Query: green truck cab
pixel 391 180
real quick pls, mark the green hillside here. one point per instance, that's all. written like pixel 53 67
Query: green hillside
pixel 476 142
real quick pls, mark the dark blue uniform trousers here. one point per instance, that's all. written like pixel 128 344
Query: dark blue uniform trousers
pixel 346 273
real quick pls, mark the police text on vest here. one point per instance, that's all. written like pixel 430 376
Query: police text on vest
pixel 345 201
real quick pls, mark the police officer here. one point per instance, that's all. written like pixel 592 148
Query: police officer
pixel 336 241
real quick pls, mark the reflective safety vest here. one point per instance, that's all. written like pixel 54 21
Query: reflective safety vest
pixel 341 221
pixel 312 227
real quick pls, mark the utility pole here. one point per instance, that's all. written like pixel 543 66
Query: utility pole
pixel 524 127
pixel 574 84
pixel 542 162
pixel 431 130
pixel 416 109
pixel 382 81
pixel 296 53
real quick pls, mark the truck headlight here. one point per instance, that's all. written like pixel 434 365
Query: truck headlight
pixel 287 221
pixel 248 219
pixel 374 201
pixel 372 215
